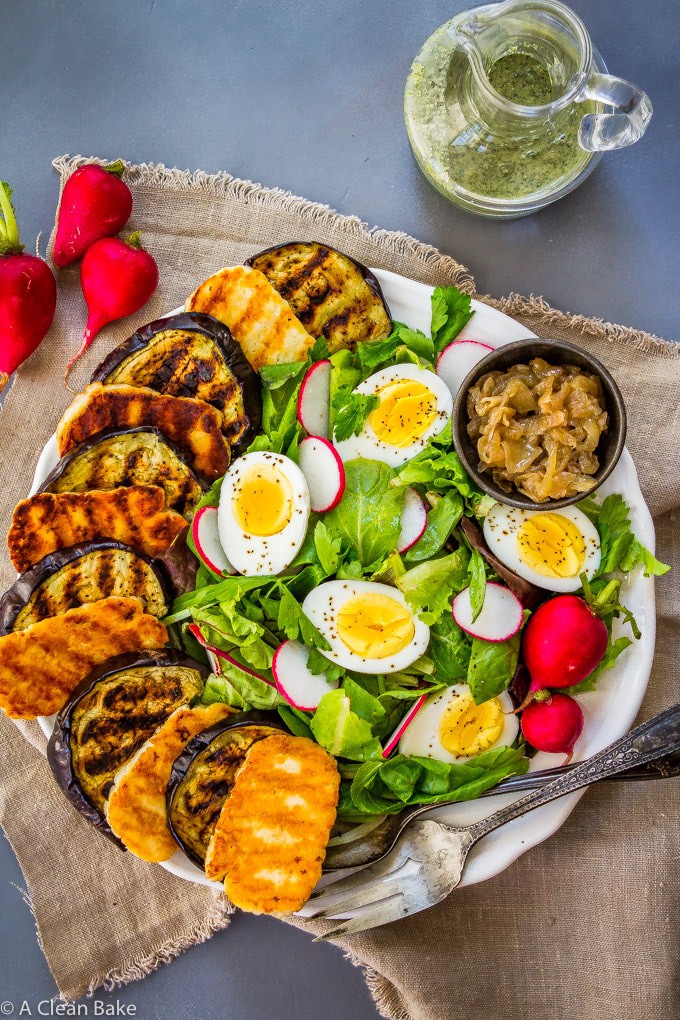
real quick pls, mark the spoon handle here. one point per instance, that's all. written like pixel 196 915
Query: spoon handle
pixel 661 768
pixel 652 739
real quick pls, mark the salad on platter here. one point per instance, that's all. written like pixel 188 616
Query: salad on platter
pixel 262 606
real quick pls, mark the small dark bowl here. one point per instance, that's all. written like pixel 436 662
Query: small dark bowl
pixel 556 352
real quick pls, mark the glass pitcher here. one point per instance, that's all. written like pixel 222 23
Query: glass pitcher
pixel 509 106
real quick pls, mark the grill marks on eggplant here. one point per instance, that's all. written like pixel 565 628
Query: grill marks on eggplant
pixel 202 780
pixel 119 714
pixel 331 294
pixel 139 456
pixel 190 355
pixel 81 575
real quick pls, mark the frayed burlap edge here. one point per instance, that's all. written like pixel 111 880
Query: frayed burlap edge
pixel 387 998
pixel 538 310
pixel 218 918
pixel 277 200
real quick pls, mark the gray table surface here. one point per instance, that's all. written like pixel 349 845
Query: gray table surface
pixel 307 95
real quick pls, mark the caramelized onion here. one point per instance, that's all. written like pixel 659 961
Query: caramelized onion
pixel 537 428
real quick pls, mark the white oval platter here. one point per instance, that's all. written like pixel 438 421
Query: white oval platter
pixel 609 711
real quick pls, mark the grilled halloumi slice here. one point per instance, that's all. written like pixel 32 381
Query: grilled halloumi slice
pixel 259 319
pixel 270 839
pixel 136 809
pixel 42 665
pixel 192 425
pixel 49 521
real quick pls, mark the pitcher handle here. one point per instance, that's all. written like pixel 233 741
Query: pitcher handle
pixel 599 132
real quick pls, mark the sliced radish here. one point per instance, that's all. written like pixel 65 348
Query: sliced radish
pixel 459 358
pixel 413 520
pixel 215 653
pixel 207 541
pixel 393 742
pixel 324 472
pixel 500 618
pixel 314 399
pixel 294 681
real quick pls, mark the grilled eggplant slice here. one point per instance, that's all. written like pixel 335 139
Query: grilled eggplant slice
pixel 190 355
pixel 331 294
pixel 80 575
pixel 118 706
pixel 204 774
pixel 136 456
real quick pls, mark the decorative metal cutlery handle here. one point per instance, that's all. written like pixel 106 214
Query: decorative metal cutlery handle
pixel 661 768
pixel 655 738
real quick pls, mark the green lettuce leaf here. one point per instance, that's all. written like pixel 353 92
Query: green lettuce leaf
pixel 428 587
pixel 386 787
pixel 226 627
pixel 620 549
pixel 449 649
pixel 378 353
pixel 296 721
pixel 491 668
pixel 441 520
pixel 477 572
pixel 240 689
pixel 451 310
pixel 368 517
pixel 351 411
pixel 341 731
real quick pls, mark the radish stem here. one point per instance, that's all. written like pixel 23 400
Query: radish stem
pixel 9 232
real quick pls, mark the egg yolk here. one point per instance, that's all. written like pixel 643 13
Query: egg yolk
pixel 552 545
pixel 374 626
pixel 263 502
pixel 466 729
pixel 405 412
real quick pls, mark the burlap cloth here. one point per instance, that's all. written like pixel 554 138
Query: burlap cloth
pixel 583 926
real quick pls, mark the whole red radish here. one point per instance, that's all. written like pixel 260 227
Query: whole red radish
pixel 117 277
pixel 553 725
pixel 28 294
pixel 95 203
pixel 562 643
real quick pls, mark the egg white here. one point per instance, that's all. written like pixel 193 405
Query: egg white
pixel 368 445
pixel 262 554
pixel 322 606
pixel 422 736
pixel 501 529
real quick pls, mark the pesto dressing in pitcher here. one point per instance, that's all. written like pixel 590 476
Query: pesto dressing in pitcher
pixel 506 107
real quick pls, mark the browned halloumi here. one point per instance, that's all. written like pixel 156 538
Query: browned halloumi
pixel 192 425
pixel 42 665
pixel 49 521
pixel 136 808
pixel 260 320
pixel 270 838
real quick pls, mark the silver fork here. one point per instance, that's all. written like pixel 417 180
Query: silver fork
pixel 427 862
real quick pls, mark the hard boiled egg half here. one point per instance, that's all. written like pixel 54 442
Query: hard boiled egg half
pixel 413 405
pixel 451 728
pixel 550 548
pixel 368 626
pixel 263 513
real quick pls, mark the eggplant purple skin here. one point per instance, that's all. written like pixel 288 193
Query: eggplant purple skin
pixel 200 743
pixel 58 747
pixel 370 279
pixel 206 325
pixel 16 597
pixel 368 276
